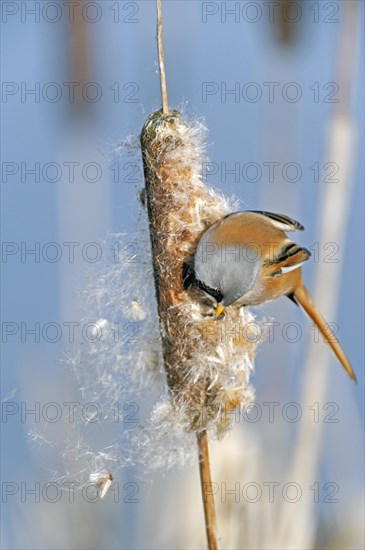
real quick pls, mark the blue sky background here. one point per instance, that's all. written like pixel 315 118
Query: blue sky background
pixel 199 49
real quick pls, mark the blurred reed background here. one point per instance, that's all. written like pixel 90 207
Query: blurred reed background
pixel 265 87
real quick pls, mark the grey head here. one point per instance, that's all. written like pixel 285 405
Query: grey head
pixel 225 272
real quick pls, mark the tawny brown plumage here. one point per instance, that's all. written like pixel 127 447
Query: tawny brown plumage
pixel 247 259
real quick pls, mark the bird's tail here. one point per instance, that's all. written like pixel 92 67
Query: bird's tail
pixel 302 297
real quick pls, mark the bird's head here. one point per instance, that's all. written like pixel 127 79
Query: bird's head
pixel 224 272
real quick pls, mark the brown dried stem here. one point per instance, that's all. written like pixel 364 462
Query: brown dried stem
pixel 206 485
pixel 207 369
pixel 161 60
pixel 171 198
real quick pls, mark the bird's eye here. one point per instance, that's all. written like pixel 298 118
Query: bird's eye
pixel 218 295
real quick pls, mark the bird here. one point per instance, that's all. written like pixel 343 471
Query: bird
pixel 246 259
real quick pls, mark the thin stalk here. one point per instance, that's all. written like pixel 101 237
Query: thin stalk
pixel 161 60
pixel 207 494
pixel 202 438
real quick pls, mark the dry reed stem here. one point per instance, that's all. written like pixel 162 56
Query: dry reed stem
pixel 206 377
pixel 161 60
pixel 207 495
pixel 202 439
pixel 341 146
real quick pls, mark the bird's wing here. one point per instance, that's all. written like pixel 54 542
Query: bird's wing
pixel 289 257
pixel 280 221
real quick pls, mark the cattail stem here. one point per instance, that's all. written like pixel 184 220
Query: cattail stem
pixel 206 485
pixel 171 196
pixel 207 375
pixel 161 60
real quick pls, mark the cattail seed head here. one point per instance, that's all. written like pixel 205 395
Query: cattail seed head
pixel 207 375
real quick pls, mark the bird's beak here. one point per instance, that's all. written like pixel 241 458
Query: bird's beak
pixel 218 310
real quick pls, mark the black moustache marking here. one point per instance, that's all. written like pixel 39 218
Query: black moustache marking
pixel 190 280
pixel 214 292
